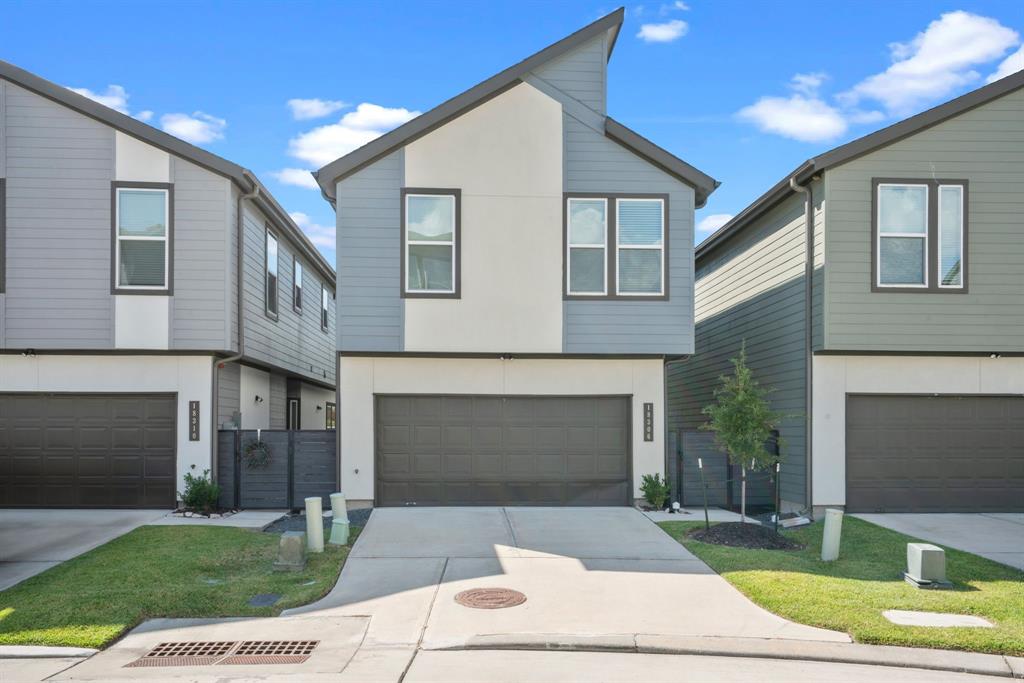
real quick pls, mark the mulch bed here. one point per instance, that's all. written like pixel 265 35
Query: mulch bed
pixel 297 522
pixel 741 535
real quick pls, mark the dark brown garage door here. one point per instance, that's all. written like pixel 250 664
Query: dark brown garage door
pixel 502 450
pixel 934 453
pixel 89 451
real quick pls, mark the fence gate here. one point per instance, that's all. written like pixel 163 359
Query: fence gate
pixel 302 464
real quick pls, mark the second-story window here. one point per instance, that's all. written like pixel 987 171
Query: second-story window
pixel 587 244
pixel 142 238
pixel 271 275
pixel 640 239
pixel 430 243
pixel 902 235
pixel 297 286
pixel 325 307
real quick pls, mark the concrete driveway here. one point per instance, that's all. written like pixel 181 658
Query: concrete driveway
pixel 997 536
pixel 32 541
pixel 587 574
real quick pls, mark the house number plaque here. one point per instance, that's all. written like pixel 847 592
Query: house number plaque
pixel 193 420
pixel 648 422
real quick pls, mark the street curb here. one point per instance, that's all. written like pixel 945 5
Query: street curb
pixel 762 648
pixel 43 652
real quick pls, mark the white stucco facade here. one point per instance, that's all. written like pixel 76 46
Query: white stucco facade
pixel 313 402
pixel 188 377
pixel 837 376
pixel 506 158
pixel 360 378
pixel 252 383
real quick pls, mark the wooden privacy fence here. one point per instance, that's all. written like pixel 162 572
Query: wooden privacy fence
pixel 303 463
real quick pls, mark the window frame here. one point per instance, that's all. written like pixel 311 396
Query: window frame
pixel 612 246
pixel 167 289
pixel 267 235
pixel 297 283
pixel 569 246
pixel 931 236
pixel 330 411
pixel 456 291
pixel 325 308
pixel 3 235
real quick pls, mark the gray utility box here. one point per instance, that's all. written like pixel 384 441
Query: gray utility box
pixel 926 566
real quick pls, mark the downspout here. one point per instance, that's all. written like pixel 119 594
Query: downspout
pixel 808 335
pixel 219 363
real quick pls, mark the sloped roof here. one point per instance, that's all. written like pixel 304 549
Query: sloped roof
pixel 328 176
pixel 859 147
pixel 243 178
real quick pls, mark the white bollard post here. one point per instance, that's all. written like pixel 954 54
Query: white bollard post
pixel 339 522
pixel 830 538
pixel 314 524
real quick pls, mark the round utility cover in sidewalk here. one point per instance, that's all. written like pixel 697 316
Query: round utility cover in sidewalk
pixel 490 598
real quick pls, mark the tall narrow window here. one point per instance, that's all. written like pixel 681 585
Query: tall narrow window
pixel 325 307
pixel 142 235
pixel 430 249
pixel 951 236
pixel 271 275
pixel 331 417
pixel 640 232
pixel 587 240
pixel 297 286
pixel 902 235
pixel 3 235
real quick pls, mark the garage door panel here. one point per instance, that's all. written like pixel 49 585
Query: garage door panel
pixel 426 436
pixel 934 453
pixel 504 450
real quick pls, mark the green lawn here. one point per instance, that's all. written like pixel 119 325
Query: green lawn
pixel 851 593
pixel 159 571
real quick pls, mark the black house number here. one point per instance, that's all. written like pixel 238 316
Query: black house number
pixel 193 420
pixel 648 422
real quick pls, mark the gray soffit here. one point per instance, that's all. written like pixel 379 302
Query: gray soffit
pixel 702 183
pixel 156 137
pixel 859 147
pixel 329 175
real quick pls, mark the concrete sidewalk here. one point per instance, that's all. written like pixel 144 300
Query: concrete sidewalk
pixel 998 536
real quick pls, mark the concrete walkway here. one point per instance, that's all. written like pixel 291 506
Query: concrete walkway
pixel 997 536
pixel 32 541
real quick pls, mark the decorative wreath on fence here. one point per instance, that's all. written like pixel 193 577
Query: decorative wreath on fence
pixel 257 454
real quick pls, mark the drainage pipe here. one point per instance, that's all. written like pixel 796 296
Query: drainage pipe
pixel 808 336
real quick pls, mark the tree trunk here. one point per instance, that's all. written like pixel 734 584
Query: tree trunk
pixel 743 494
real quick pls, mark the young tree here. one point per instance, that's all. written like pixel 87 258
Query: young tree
pixel 742 420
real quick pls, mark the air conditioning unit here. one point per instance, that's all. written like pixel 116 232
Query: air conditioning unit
pixel 926 566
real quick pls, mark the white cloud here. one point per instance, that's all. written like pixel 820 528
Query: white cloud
pixel 713 222
pixel 663 33
pixel 299 177
pixel 807 119
pixel 935 62
pixel 324 144
pixel 808 84
pixel 144 115
pixel 313 108
pixel 320 235
pixel 197 128
pixel 115 97
pixel 1010 65
pixel 677 6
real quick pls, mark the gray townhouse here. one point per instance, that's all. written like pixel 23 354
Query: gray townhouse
pixel 880 290
pixel 150 293
pixel 516 268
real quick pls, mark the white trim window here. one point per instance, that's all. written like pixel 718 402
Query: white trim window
pixel 640 247
pixel 143 236
pixel 297 286
pixel 902 235
pixel 430 243
pixel 951 236
pixel 586 258
pixel 270 272
pixel 325 307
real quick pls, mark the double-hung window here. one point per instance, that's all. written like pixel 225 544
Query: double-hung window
pixel 271 275
pixel 615 246
pixel 297 286
pixel 142 232
pixel 430 243
pixel 920 235
pixel 325 307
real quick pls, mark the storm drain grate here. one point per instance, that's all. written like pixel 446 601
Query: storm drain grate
pixel 490 598
pixel 219 653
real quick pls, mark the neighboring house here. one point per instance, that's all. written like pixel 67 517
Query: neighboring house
pixel 517 267
pixel 892 328
pixel 119 299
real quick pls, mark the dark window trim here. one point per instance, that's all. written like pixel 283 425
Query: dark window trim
pixel 296 289
pixel 330 407
pixel 288 413
pixel 612 246
pixel 3 235
pixel 452 192
pixel 115 185
pixel 325 311
pixel 932 236
pixel 267 234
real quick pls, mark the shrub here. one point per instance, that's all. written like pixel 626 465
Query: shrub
pixel 201 493
pixel 656 490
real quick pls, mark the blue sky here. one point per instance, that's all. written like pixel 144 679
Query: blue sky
pixel 742 90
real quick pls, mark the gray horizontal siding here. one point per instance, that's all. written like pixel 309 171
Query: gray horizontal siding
pixel 593 163
pixel 59 165
pixel 580 73
pixel 369 305
pixel 278 401
pixel 984 146
pixel 229 391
